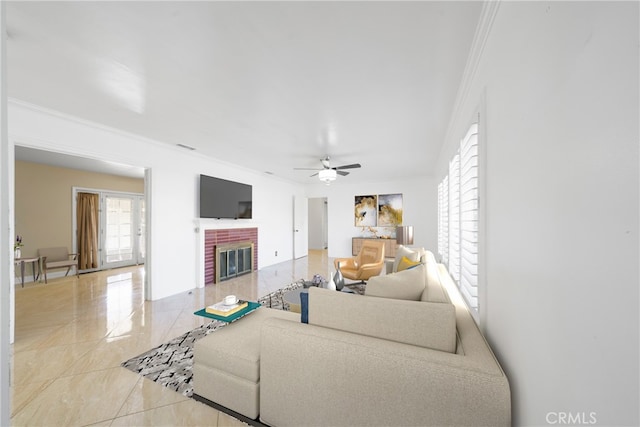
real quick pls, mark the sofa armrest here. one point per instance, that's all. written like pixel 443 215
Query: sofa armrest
pixel 311 375
pixel 431 325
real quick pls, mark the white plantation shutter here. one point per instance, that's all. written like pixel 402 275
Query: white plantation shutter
pixel 469 205
pixel 458 217
pixel 443 219
pixel 454 218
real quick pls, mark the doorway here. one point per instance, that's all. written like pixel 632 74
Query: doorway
pixel 120 237
pixel 318 223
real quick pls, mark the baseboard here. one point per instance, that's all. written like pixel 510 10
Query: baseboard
pixel 228 411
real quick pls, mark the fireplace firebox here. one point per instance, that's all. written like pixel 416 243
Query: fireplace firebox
pixel 233 260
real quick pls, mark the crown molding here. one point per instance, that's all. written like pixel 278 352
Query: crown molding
pixel 79 121
pixel 483 30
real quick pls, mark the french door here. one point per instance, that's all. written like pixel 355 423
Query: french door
pixel 122 230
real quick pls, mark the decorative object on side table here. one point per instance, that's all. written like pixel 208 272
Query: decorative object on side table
pixel 17 247
pixel 338 279
pixel 317 280
pixel 331 285
pixel 404 235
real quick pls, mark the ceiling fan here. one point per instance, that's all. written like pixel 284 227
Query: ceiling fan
pixel 328 173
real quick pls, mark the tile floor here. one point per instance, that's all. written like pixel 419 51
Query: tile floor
pixel 73 333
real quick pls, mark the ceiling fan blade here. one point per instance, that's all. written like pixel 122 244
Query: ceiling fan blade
pixel 342 173
pixel 314 174
pixel 306 169
pixel 352 166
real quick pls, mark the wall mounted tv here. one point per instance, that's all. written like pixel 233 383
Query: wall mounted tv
pixel 220 198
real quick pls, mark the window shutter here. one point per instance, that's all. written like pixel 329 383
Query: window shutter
pixel 458 217
pixel 469 206
pixel 443 219
pixel 454 218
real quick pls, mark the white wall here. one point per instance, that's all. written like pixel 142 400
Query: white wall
pixel 420 200
pixel 175 238
pixel 562 191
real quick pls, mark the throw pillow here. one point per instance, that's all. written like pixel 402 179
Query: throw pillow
pixel 304 307
pixel 405 264
pixel 407 284
pixel 403 251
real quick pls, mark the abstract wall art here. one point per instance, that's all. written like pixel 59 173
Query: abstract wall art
pixel 365 210
pixel 389 210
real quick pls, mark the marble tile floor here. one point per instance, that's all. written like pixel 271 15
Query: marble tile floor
pixel 72 334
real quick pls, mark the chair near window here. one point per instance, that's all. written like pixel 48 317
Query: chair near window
pixel 368 263
pixel 53 258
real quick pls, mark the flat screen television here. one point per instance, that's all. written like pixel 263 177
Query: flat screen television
pixel 220 198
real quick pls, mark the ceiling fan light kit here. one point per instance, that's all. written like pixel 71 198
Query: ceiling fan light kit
pixel 327 175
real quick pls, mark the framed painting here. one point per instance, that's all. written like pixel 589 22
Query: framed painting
pixel 389 210
pixel 365 210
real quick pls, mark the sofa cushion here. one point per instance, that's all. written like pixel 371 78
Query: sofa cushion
pixel 407 284
pixel 54 254
pixel 423 324
pixel 235 348
pixel 58 264
pixel 403 251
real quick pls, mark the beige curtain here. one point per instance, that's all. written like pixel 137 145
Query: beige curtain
pixel 87 213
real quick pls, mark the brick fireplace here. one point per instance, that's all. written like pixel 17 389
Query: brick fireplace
pixel 219 237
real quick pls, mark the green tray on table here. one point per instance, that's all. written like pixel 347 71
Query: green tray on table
pixel 233 317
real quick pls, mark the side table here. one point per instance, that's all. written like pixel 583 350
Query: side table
pixel 34 262
pixel 293 299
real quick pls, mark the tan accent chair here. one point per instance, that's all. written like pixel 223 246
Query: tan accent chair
pixel 368 263
pixel 57 258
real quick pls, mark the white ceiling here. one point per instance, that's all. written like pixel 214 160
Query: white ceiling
pixel 266 85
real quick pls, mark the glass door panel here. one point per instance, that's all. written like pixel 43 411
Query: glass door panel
pixel 231 266
pixel 241 260
pixel 119 240
pixel 223 265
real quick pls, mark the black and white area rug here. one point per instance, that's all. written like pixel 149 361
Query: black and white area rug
pixel 170 364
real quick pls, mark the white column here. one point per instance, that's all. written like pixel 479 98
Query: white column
pixel 6 269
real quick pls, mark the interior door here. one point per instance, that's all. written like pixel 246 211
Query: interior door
pixel 300 232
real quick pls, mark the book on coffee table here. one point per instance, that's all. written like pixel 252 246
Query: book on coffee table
pixel 250 308
pixel 222 309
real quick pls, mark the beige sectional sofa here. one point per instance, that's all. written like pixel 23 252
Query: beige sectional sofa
pixel 407 353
